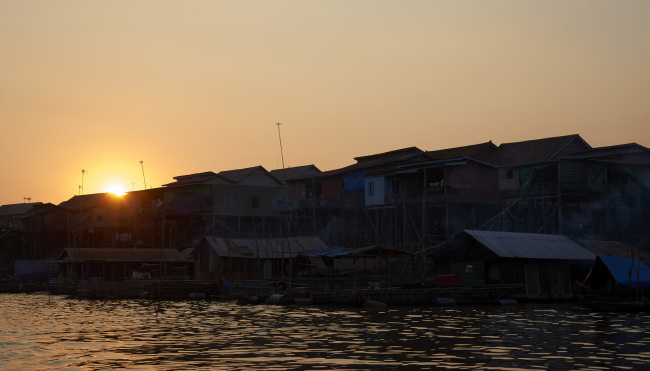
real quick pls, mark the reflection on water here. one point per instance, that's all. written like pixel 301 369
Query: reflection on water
pixel 51 332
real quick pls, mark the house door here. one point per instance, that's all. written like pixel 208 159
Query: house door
pixel 268 269
pixel 532 280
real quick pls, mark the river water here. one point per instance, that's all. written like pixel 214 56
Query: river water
pixel 43 332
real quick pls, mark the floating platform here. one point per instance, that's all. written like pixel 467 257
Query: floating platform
pixel 444 296
pixel 142 289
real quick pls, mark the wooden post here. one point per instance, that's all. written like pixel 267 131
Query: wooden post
pixel 377 227
pixel 559 197
pixel 424 209
pixel 447 212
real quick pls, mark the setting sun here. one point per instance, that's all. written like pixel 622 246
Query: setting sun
pixel 116 189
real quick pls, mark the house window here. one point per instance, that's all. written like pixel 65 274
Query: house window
pixel 509 174
pixel 255 202
pixel 227 202
pixel 313 190
pixel 371 188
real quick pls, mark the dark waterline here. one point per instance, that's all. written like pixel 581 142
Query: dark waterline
pixel 43 332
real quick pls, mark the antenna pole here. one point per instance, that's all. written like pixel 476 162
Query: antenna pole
pixel 143 178
pixel 280 136
pixel 83 172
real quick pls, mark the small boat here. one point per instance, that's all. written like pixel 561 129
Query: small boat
pixel 617 284
pixel 611 305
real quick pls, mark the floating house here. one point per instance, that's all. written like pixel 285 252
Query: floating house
pixel 541 264
pixel 120 264
pixel 230 203
pixel 331 203
pixel 30 231
pixel 355 267
pixel 435 194
pixel 240 259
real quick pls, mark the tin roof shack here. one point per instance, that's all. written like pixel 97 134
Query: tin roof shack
pixel 369 266
pixel 331 203
pixel 245 259
pixel 233 203
pixel 535 186
pixel 423 201
pixel 121 264
pixel 541 264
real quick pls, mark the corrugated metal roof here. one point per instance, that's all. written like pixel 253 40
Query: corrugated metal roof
pixel 613 248
pixel 471 151
pixel 207 177
pixel 294 172
pixel 41 209
pixel 264 248
pixel 237 175
pixel 372 161
pixel 17 209
pixel 223 177
pixel 123 254
pixel 531 245
pixel 95 200
pixel 531 151
pixel 608 151
pixel 340 252
pixel 390 156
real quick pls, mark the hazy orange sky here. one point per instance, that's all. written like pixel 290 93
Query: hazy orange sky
pixel 193 86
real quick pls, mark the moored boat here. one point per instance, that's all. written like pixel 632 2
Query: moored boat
pixel 614 283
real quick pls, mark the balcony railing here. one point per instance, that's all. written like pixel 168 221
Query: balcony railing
pixel 543 190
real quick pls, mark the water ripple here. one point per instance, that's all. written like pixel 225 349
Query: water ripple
pixel 42 332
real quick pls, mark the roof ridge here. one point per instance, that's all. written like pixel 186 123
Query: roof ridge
pixel 358 158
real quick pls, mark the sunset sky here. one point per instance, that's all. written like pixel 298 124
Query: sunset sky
pixel 194 86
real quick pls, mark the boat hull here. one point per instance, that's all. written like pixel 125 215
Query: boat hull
pixel 615 305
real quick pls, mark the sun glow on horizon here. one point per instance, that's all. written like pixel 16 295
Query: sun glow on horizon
pixel 116 189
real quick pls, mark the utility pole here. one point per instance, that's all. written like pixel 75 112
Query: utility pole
pixel 280 136
pixel 143 178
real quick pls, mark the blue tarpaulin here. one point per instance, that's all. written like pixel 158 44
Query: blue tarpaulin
pixel 332 252
pixel 354 181
pixel 627 272
pixel 336 252
pixel 368 251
